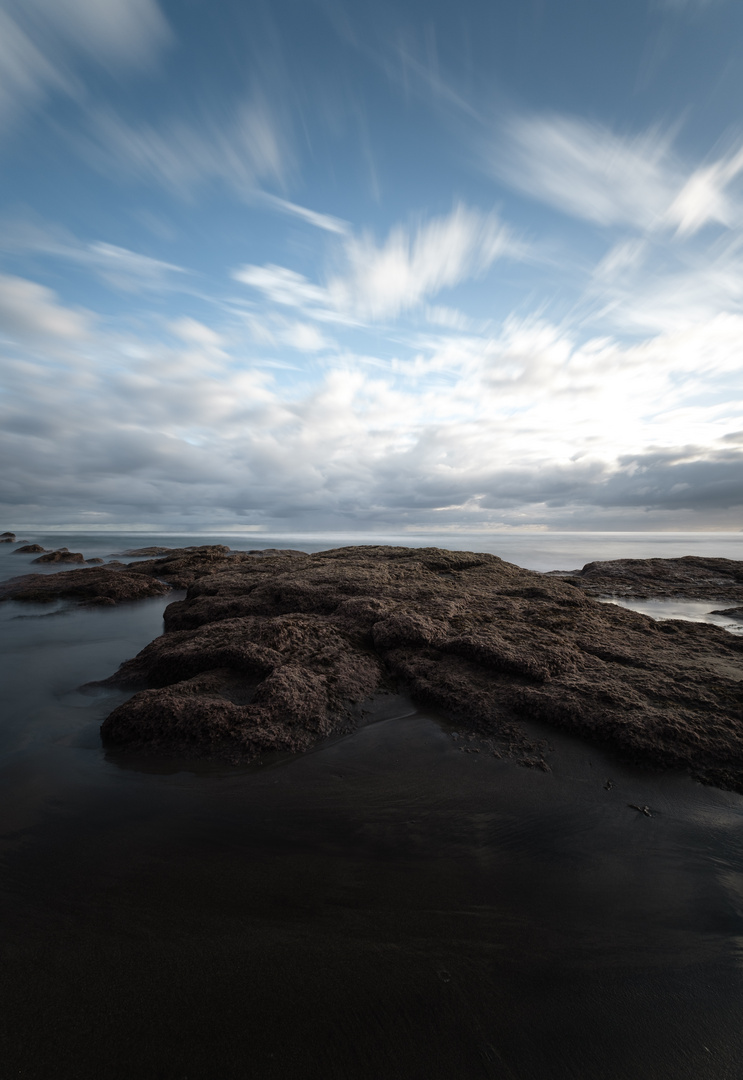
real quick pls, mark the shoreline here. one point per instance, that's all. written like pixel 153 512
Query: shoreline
pixel 275 650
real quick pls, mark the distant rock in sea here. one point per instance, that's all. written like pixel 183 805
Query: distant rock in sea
pixel 29 549
pixel 132 552
pixel 7 538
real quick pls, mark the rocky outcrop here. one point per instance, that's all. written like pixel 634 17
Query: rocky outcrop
pixel 7 538
pixel 117 582
pixel 61 555
pixel 273 653
pixel 693 577
pixel 29 549
pixel 143 551
pixel 182 566
pixel 91 585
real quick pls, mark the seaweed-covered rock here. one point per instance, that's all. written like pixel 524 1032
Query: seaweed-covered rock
pixel 274 652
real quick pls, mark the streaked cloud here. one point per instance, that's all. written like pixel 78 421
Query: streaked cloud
pixel 241 148
pixel 121 268
pixel 311 217
pixel 379 281
pixel 590 172
pixel 282 286
pixel 42 42
pixel 586 170
pixel 383 280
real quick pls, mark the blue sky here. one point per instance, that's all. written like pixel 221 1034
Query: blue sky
pixel 314 265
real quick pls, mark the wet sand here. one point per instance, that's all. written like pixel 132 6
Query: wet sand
pixel 387 905
pixel 392 904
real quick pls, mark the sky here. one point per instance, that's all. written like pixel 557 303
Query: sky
pixel 332 266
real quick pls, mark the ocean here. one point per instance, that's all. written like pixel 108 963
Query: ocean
pixel 533 550
pixel 385 906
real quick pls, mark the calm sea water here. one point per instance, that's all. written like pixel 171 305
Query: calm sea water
pixel 535 551
pixel 386 906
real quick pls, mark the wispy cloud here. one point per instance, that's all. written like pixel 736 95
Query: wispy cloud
pixel 587 170
pixel 651 285
pixel 42 41
pixel 121 268
pixel 704 197
pixel 283 286
pixel 312 217
pixel 243 148
pixel 590 172
pixel 383 280
pixel 380 281
pixel 130 270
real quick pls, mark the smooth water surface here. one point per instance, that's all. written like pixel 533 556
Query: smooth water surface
pixel 689 610
pixel 535 551
pixel 389 905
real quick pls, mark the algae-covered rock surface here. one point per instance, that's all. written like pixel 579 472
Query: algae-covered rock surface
pixel 273 651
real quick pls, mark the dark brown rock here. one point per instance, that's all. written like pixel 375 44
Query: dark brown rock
pixel 7 538
pixel 732 613
pixel 90 584
pixel 94 562
pixel 132 552
pixel 61 555
pixel 274 653
pixel 29 549
pixel 693 577
pixel 181 566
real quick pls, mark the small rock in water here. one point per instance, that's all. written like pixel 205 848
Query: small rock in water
pixel 731 612
pixel 29 549
pixel 62 555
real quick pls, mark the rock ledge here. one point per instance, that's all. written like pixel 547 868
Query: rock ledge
pixel 274 653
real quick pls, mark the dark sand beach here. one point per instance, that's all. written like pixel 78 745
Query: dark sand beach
pixel 395 901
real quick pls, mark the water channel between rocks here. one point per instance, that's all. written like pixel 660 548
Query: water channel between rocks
pixel 392 904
